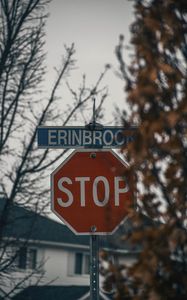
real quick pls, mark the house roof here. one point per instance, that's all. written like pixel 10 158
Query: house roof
pixel 52 292
pixel 26 224
pixel 58 293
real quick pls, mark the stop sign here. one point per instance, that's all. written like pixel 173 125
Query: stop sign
pixel 90 193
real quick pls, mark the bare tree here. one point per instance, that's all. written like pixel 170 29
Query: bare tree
pixel 156 93
pixel 24 107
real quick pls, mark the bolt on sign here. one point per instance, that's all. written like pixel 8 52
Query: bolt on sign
pixel 90 192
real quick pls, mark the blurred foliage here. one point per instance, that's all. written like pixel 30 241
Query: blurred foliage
pixel 156 89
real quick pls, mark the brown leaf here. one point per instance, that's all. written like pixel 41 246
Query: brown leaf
pixel 172 118
pixel 153 24
pixel 167 69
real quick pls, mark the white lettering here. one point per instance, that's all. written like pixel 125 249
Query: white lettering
pixel 62 137
pixel 52 136
pixel 69 137
pixel 108 137
pixel 66 191
pixel 100 184
pixel 82 181
pixel 97 137
pixel 76 137
pixel 119 137
pixel 119 190
pixel 87 137
pixel 101 202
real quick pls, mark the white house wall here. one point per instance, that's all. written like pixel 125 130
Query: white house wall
pixel 58 268
pixel 14 276
pixel 57 265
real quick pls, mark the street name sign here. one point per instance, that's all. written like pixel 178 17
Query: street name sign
pixel 91 191
pixel 83 137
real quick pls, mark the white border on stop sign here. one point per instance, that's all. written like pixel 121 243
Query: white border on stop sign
pixel 52 191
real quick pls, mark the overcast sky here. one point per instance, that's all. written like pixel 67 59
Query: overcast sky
pixel 94 26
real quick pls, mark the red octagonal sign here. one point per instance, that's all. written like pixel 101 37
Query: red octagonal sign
pixel 90 193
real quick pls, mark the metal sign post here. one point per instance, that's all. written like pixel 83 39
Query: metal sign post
pixel 94 252
pixel 94 267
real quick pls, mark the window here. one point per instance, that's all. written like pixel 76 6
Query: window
pixel 22 258
pixel 86 264
pixel 81 263
pixel 32 258
pixel 26 258
pixel 78 263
